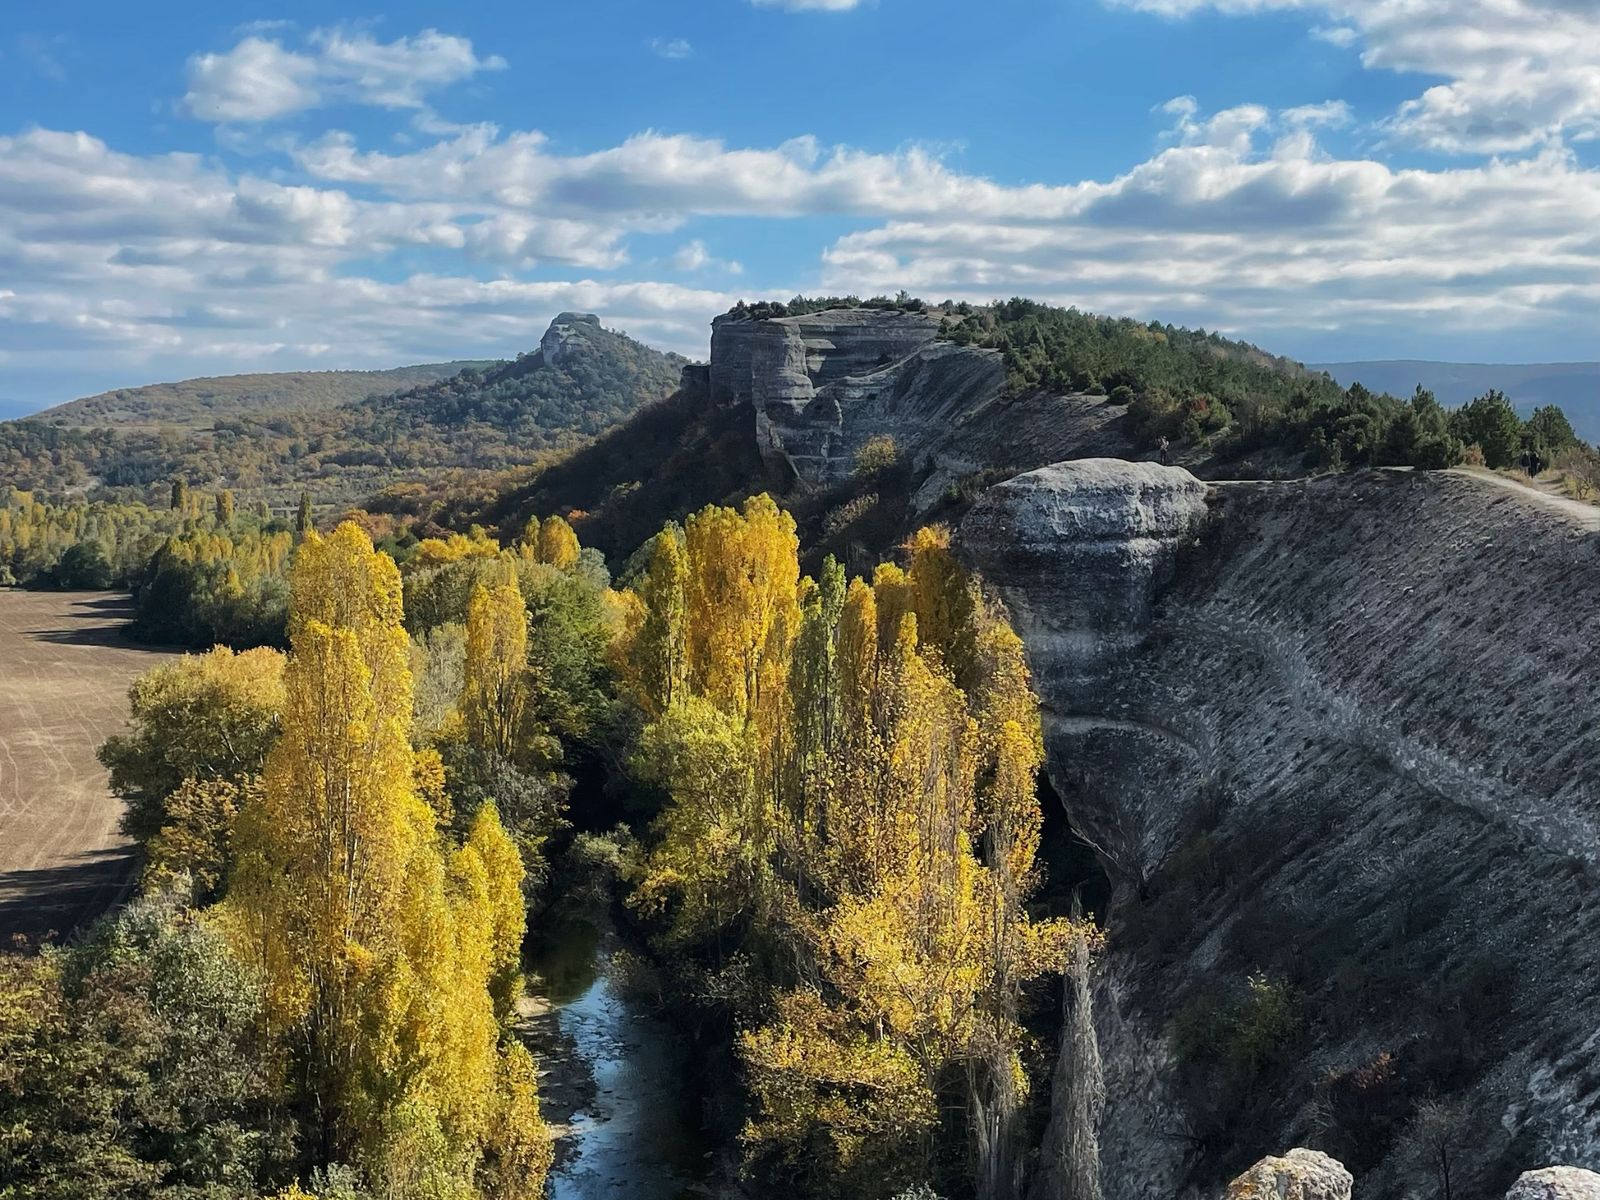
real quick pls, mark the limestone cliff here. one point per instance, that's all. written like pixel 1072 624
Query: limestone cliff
pixel 819 386
pixel 567 335
pixel 1337 742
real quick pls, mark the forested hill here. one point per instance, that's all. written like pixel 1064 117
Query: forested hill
pixel 199 403
pixel 582 380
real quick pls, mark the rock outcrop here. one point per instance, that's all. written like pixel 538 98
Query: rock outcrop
pixel 1081 549
pixel 1556 1183
pixel 822 384
pixel 1336 741
pixel 1297 1175
pixel 567 335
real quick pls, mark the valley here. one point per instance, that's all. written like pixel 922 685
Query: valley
pixel 1313 696
pixel 65 667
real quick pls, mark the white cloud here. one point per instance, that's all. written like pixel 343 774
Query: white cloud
pixel 260 79
pixel 672 48
pixel 693 256
pixel 1521 74
pixel 1240 220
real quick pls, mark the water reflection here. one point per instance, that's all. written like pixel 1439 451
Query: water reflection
pixel 615 1080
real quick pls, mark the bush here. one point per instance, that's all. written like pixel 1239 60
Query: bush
pixel 877 455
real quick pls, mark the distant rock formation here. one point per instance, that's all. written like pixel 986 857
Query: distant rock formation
pixel 1556 1183
pixel 1297 1175
pixel 822 384
pixel 566 336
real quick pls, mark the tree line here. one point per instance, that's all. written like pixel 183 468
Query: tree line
pixel 833 861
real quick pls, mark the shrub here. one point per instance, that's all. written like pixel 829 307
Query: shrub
pixel 877 455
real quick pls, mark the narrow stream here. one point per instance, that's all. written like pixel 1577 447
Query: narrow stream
pixel 615 1083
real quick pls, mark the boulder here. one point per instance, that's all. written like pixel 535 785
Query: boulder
pixel 1297 1175
pixel 1556 1183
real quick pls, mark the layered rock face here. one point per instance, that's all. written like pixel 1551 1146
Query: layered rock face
pixel 822 384
pixel 1339 744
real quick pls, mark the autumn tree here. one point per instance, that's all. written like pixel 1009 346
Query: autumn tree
pixel 203 724
pixel 225 507
pixel 381 943
pixel 851 777
pixel 494 693
pixel 551 541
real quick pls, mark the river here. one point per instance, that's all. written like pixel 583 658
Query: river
pixel 616 1083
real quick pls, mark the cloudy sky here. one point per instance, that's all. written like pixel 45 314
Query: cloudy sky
pixel 321 186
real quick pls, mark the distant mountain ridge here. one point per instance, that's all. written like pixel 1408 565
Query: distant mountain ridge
pixel 197 403
pixel 265 438
pixel 1575 386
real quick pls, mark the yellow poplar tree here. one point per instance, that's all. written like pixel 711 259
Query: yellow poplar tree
pixel 380 944
pixel 494 693
pixel 557 545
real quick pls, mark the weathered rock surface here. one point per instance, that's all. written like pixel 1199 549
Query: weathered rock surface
pixel 1297 1175
pixel 1351 747
pixel 1556 1183
pixel 822 384
pixel 819 386
pixel 566 336
pixel 1081 549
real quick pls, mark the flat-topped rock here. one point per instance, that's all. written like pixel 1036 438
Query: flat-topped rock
pixel 1080 548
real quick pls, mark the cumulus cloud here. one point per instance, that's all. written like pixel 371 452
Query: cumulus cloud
pixel 1241 220
pixel 693 256
pixel 260 79
pixel 1248 232
pixel 1521 74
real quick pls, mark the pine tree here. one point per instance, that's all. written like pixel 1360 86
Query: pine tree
pixel 302 519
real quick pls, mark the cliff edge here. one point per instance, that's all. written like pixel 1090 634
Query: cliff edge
pixel 1336 741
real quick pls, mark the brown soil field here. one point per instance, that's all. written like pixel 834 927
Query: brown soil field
pixel 65 667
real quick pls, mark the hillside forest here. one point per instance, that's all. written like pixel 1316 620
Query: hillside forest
pixel 829 851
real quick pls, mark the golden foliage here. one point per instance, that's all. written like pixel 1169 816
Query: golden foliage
pixel 382 947
pixel 852 777
pixel 495 693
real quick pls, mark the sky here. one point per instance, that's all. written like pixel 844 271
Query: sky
pixel 193 189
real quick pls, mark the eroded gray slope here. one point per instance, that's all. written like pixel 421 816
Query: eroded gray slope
pixel 1352 748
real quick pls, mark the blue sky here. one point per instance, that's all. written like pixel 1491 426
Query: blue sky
pixel 315 186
